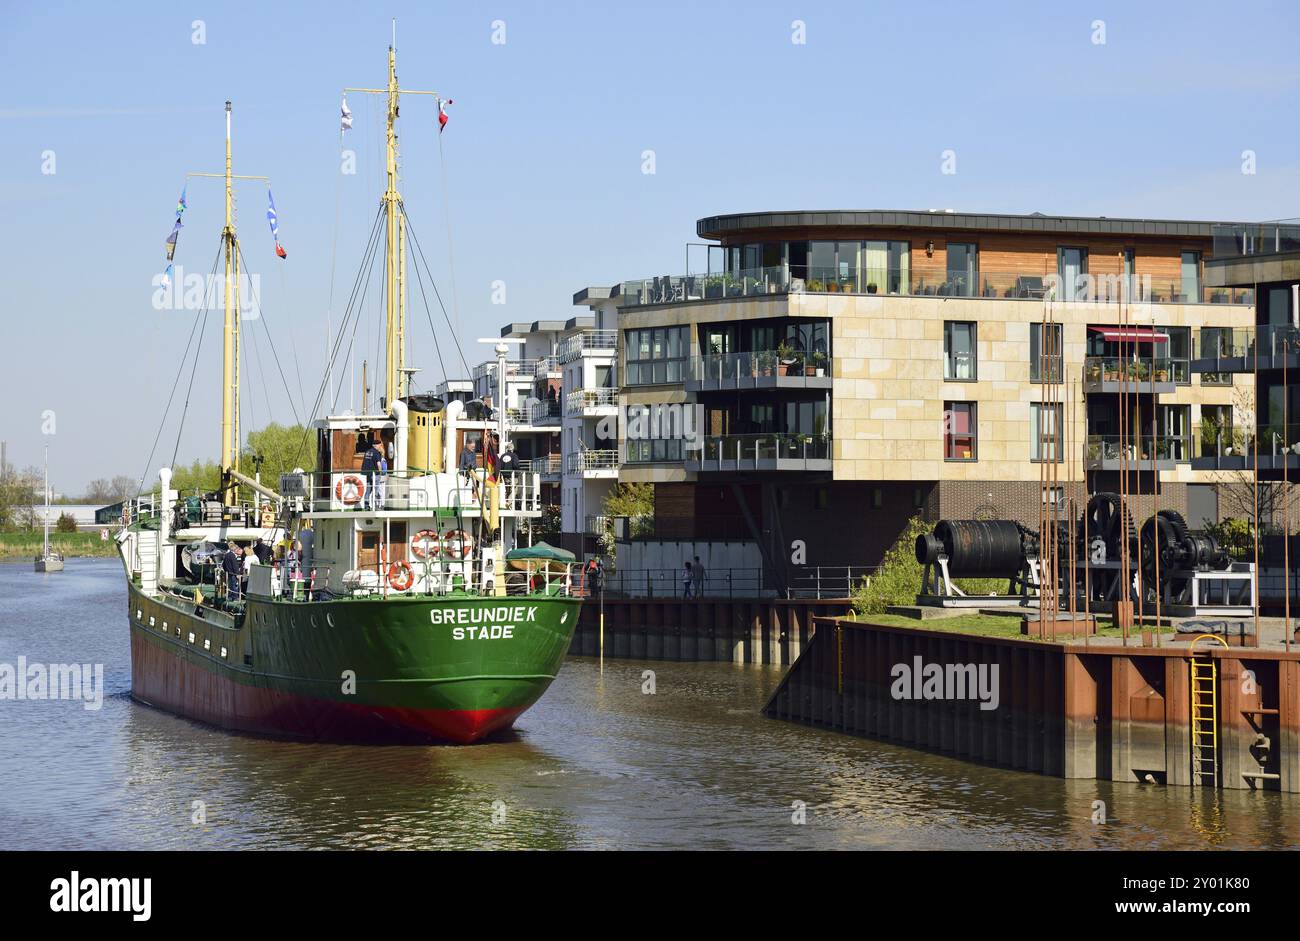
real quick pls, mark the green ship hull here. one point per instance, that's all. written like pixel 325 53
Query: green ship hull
pixel 404 668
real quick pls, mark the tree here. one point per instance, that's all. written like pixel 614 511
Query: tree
pixel 19 493
pixel 67 523
pixel 110 491
pixel 1239 492
pixel 281 448
pixel 634 501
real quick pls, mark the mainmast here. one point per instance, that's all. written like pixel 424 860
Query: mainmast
pixel 396 375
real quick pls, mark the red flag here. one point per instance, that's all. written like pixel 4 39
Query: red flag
pixel 279 250
pixel 442 113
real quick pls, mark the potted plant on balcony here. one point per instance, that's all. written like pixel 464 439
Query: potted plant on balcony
pixel 785 354
pixel 764 361
pixel 817 367
pixel 871 287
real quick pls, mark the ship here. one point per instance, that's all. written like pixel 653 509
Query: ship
pixel 398 603
pixel 48 560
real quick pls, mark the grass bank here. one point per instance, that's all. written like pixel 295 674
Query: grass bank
pixel 983 625
pixel 16 546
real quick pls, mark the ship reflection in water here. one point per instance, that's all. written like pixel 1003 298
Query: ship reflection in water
pixel 598 763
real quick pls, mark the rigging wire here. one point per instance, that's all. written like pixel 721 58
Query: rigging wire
pixel 451 261
pixel 261 316
pixel 420 251
pixel 175 383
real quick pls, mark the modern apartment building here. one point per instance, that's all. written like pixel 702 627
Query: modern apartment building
pixel 835 373
pixel 587 354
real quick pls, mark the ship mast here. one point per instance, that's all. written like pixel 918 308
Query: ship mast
pixel 230 434
pixel 396 375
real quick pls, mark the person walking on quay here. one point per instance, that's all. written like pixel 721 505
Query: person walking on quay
pixel 687 575
pixel 699 577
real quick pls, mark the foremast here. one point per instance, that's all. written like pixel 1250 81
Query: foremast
pixel 230 336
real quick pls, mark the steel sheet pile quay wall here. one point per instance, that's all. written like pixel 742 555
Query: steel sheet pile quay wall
pixel 736 630
pixel 1069 710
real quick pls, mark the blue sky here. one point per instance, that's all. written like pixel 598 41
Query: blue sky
pixel 543 158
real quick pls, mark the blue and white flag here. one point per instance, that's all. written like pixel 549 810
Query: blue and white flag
pixel 270 216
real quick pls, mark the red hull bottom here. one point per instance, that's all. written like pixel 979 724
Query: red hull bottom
pixel 158 678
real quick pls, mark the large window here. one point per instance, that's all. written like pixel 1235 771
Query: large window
pixel 1191 278
pixel 654 433
pixel 655 355
pixel 963 269
pixel 1046 443
pixel 1072 268
pixel 1045 356
pixel 1179 351
pixel 959 351
pixel 885 267
pixel 960 437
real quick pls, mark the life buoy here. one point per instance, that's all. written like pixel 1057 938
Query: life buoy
pixel 350 489
pixel 425 544
pixel 457 543
pixel 400 576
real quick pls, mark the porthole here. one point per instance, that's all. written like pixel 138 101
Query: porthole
pixel 207 643
pixel 191 637
pixel 178 630
pixel 164 627
pixel 151 623
pixel 139 615
pixel 223 653
pixel 329 619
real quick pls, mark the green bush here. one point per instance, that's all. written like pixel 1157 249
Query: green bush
pixel 898 579
pixel 1235 535
pixel 67 523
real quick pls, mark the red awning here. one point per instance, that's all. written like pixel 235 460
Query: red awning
pixel 1131 334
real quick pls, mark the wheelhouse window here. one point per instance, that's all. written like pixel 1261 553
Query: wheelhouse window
pixel 1045 354
pixel 656 355
pixel 959 351
pixel 1046 418
pixel 963 269
pixel 960 439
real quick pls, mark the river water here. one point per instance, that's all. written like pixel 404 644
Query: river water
pixel 598 763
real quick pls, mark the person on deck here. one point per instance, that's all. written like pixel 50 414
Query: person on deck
pixel 699 577
pixel 686 580
pixel 233 566
pixel 262 551
pixel 369 468
pixel 468 460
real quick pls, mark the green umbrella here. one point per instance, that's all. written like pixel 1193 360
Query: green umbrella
pixel 540 555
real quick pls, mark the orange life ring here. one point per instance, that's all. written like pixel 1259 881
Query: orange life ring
pixel 356 489
pixel 457 542
pixel 400 576
pixel 425 543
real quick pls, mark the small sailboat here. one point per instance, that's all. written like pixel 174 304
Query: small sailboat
pixel 48 561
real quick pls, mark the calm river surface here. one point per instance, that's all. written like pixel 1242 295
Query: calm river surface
pixel 595 764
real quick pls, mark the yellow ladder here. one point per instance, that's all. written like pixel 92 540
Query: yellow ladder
pixel 1205 711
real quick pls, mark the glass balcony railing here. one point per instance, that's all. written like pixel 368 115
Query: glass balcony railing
pixel 1098 369
pixel 1256 238
pixel 1113 449
pixel 925 281
pixel 770 446
pixel 761 364
pixel 1246 342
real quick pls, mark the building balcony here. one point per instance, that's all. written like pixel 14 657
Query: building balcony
pixel 589 403
pixel 548 468
pixel 515 368
pixel 1231 450
pixel 1228 350
pixel 1113 453
pixel 587 341
pixel 548 367
pixel 1129 374
pixel 764 369
pixel 761 452
pixel 544 414
pixel 593 463
pixel 922 279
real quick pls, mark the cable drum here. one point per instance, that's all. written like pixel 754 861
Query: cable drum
pixel 975 548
